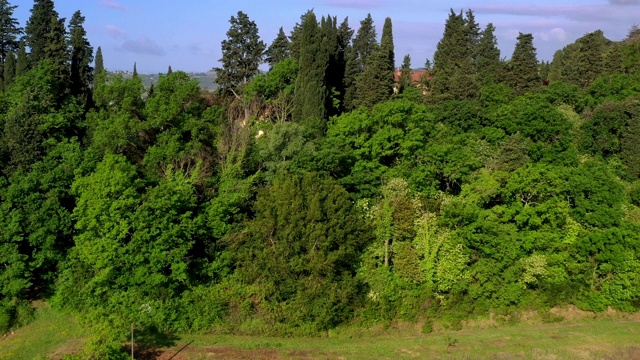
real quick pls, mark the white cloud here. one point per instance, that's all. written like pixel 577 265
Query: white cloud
pixel 115 32
pixel 555 34
pixel 112 4
pixel 143 45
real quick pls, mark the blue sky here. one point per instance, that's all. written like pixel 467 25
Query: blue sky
pixel 187 34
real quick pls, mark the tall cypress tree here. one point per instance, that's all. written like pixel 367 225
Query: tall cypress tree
pixel 39 26
pixel 405 80
pixel 9 30
pixel 22 62
pixel 310 96
pixel 242 53
pixel 98 69
pixel 363 46
pixel 345 34
pixel 295 39
pixel 365 43
pixel 523 73
pixel 375 83
pixel 278 50
pixel 135 69
pixel 454 68
pixel 169 70
pixel 330 49
pixel 57 50
pixel 488 56
pixel 9 72
pixel 388 49
pixel 81 57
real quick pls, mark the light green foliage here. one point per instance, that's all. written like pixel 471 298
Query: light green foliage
pixel 377 139
pixel 131 257
pixel 533 267
pixel 442 261
pixel 276 90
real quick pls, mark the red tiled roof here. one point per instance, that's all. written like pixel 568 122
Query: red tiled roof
pixel 416 75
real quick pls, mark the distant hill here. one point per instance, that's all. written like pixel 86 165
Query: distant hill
pixel 207 79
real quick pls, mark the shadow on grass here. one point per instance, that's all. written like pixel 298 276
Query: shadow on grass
pixel 151 344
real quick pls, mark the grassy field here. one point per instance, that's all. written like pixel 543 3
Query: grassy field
pixel 52 335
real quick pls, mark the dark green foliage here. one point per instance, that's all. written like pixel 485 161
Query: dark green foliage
pixel 301 250
pixel 309 104
pixel 279 50
pixel 99 70
pixel 56 50
pixel 365 43
pixel 363 46
pixel 34 117
pixel 523 73
pixel 583 61
pixel 21 60
pixel 9 71
pixel 9 30
pixel 488 65
pixel 242 52
pixel 375 83
pixel 41 24
pixel 36 217
pixel 612 130
pixel 81 74
pixel 453 68
pixel 405 80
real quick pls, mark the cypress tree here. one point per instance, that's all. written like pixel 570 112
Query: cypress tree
pixel 405 80
pixel 98 69
pixel 330 50
pixel 242 53
pixel 38 28
pixel 81 57
pixel 9 72
pixel 388 49
pixel 9 30
pixel 589 60
pixel 295 39
pixel 375 83
pixel 169 71
pixel 21 62
pixel 278 50
pixel 454 69
pixel 135 69
pixel 523 73
pixel 488 56
pixel 345 34
pixel 363 45
pixel 57 50
pixel 351 73
pixel 310 96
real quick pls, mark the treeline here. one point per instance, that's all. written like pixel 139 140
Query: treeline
pixel 321 193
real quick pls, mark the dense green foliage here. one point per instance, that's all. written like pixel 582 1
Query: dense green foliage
pixel 310 196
